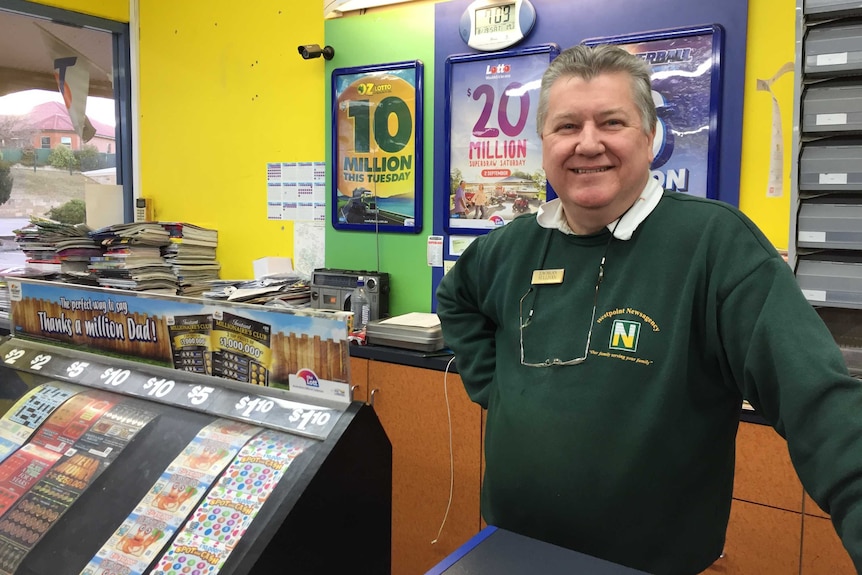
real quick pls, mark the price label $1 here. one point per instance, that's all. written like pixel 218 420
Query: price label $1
pixel 305 417
pixel 248 406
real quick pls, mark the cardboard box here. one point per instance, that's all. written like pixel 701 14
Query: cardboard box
pixel 271 266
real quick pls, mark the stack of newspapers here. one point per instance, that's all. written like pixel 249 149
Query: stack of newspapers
pixel 191 253
pixel 58 247
pixel 132 258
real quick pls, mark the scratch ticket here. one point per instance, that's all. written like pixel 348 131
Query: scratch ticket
pixel 241 348
pixel 30 412
pixel 190 342
pixel 144 533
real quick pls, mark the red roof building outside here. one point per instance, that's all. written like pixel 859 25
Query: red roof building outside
pixel 52 127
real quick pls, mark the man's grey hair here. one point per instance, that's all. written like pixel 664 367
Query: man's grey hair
pixel 588 62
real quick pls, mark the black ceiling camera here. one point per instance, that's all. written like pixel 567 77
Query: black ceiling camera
pixel 310 51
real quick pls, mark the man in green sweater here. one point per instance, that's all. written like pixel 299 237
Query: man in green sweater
pixel 613 335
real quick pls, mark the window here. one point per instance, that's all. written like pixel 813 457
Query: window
pixel 26 29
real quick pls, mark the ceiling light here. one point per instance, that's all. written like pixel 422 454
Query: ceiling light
pixel 336 8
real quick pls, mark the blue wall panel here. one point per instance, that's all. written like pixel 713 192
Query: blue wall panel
pixel 569 22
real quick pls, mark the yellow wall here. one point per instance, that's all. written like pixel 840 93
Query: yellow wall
pixel 117 10
pixel 771 45
pixel 223 91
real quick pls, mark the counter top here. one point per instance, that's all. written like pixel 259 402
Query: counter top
pixel 437 360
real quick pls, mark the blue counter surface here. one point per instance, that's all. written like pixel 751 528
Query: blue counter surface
pixel 496 551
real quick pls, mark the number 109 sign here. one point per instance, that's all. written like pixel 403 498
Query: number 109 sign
pixel 494 166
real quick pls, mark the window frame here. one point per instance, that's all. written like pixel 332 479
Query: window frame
pixel 122 78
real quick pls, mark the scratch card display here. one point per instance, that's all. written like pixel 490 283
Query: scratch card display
pixel 72 419
pixel 218 524
pixel 241 348
pixel 190 342
pixel 192 554
pixel 41 507
pixel 21 529
pixel 20 471
pixel 30 412
pixel 145 532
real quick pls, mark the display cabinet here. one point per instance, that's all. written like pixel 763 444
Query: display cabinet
pixel 108 465
pixel 435 432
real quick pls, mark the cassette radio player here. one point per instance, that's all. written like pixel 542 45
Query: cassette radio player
pixel 331 289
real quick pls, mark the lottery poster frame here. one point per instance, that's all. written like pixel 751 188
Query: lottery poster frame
pixel 480 155
pixel 386 184
pixel 687 92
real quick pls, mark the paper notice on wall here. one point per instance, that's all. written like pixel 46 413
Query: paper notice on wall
pixel 457 244
pixel 775 183
pixel 309 240
pixel 435 251
pixel 296 191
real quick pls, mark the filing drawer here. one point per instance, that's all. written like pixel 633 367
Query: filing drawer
pixel 828 279
pixel 831 8
pixel 832 166
pixel 830 222
pixel 832 108
pixel 833 49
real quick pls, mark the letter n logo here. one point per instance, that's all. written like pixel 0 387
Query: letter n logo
pixel 624 335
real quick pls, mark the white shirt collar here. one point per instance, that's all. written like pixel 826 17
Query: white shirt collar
pixel 552 216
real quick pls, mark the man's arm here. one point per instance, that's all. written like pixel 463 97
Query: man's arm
pixel 467 330
pixel 788 366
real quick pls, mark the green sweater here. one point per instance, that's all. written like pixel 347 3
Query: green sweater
pixel 629 456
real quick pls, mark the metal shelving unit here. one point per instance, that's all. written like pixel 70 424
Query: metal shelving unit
pixel 825 248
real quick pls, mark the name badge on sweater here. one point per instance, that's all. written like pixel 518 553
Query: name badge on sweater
pixel 541 277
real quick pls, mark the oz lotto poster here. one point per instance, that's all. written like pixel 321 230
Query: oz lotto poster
pixel 377 148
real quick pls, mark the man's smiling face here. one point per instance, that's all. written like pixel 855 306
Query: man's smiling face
pixel 595 151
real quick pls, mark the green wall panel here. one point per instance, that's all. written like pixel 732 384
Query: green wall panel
pixel 380 37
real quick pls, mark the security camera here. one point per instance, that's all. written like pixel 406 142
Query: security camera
pixel 310 51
